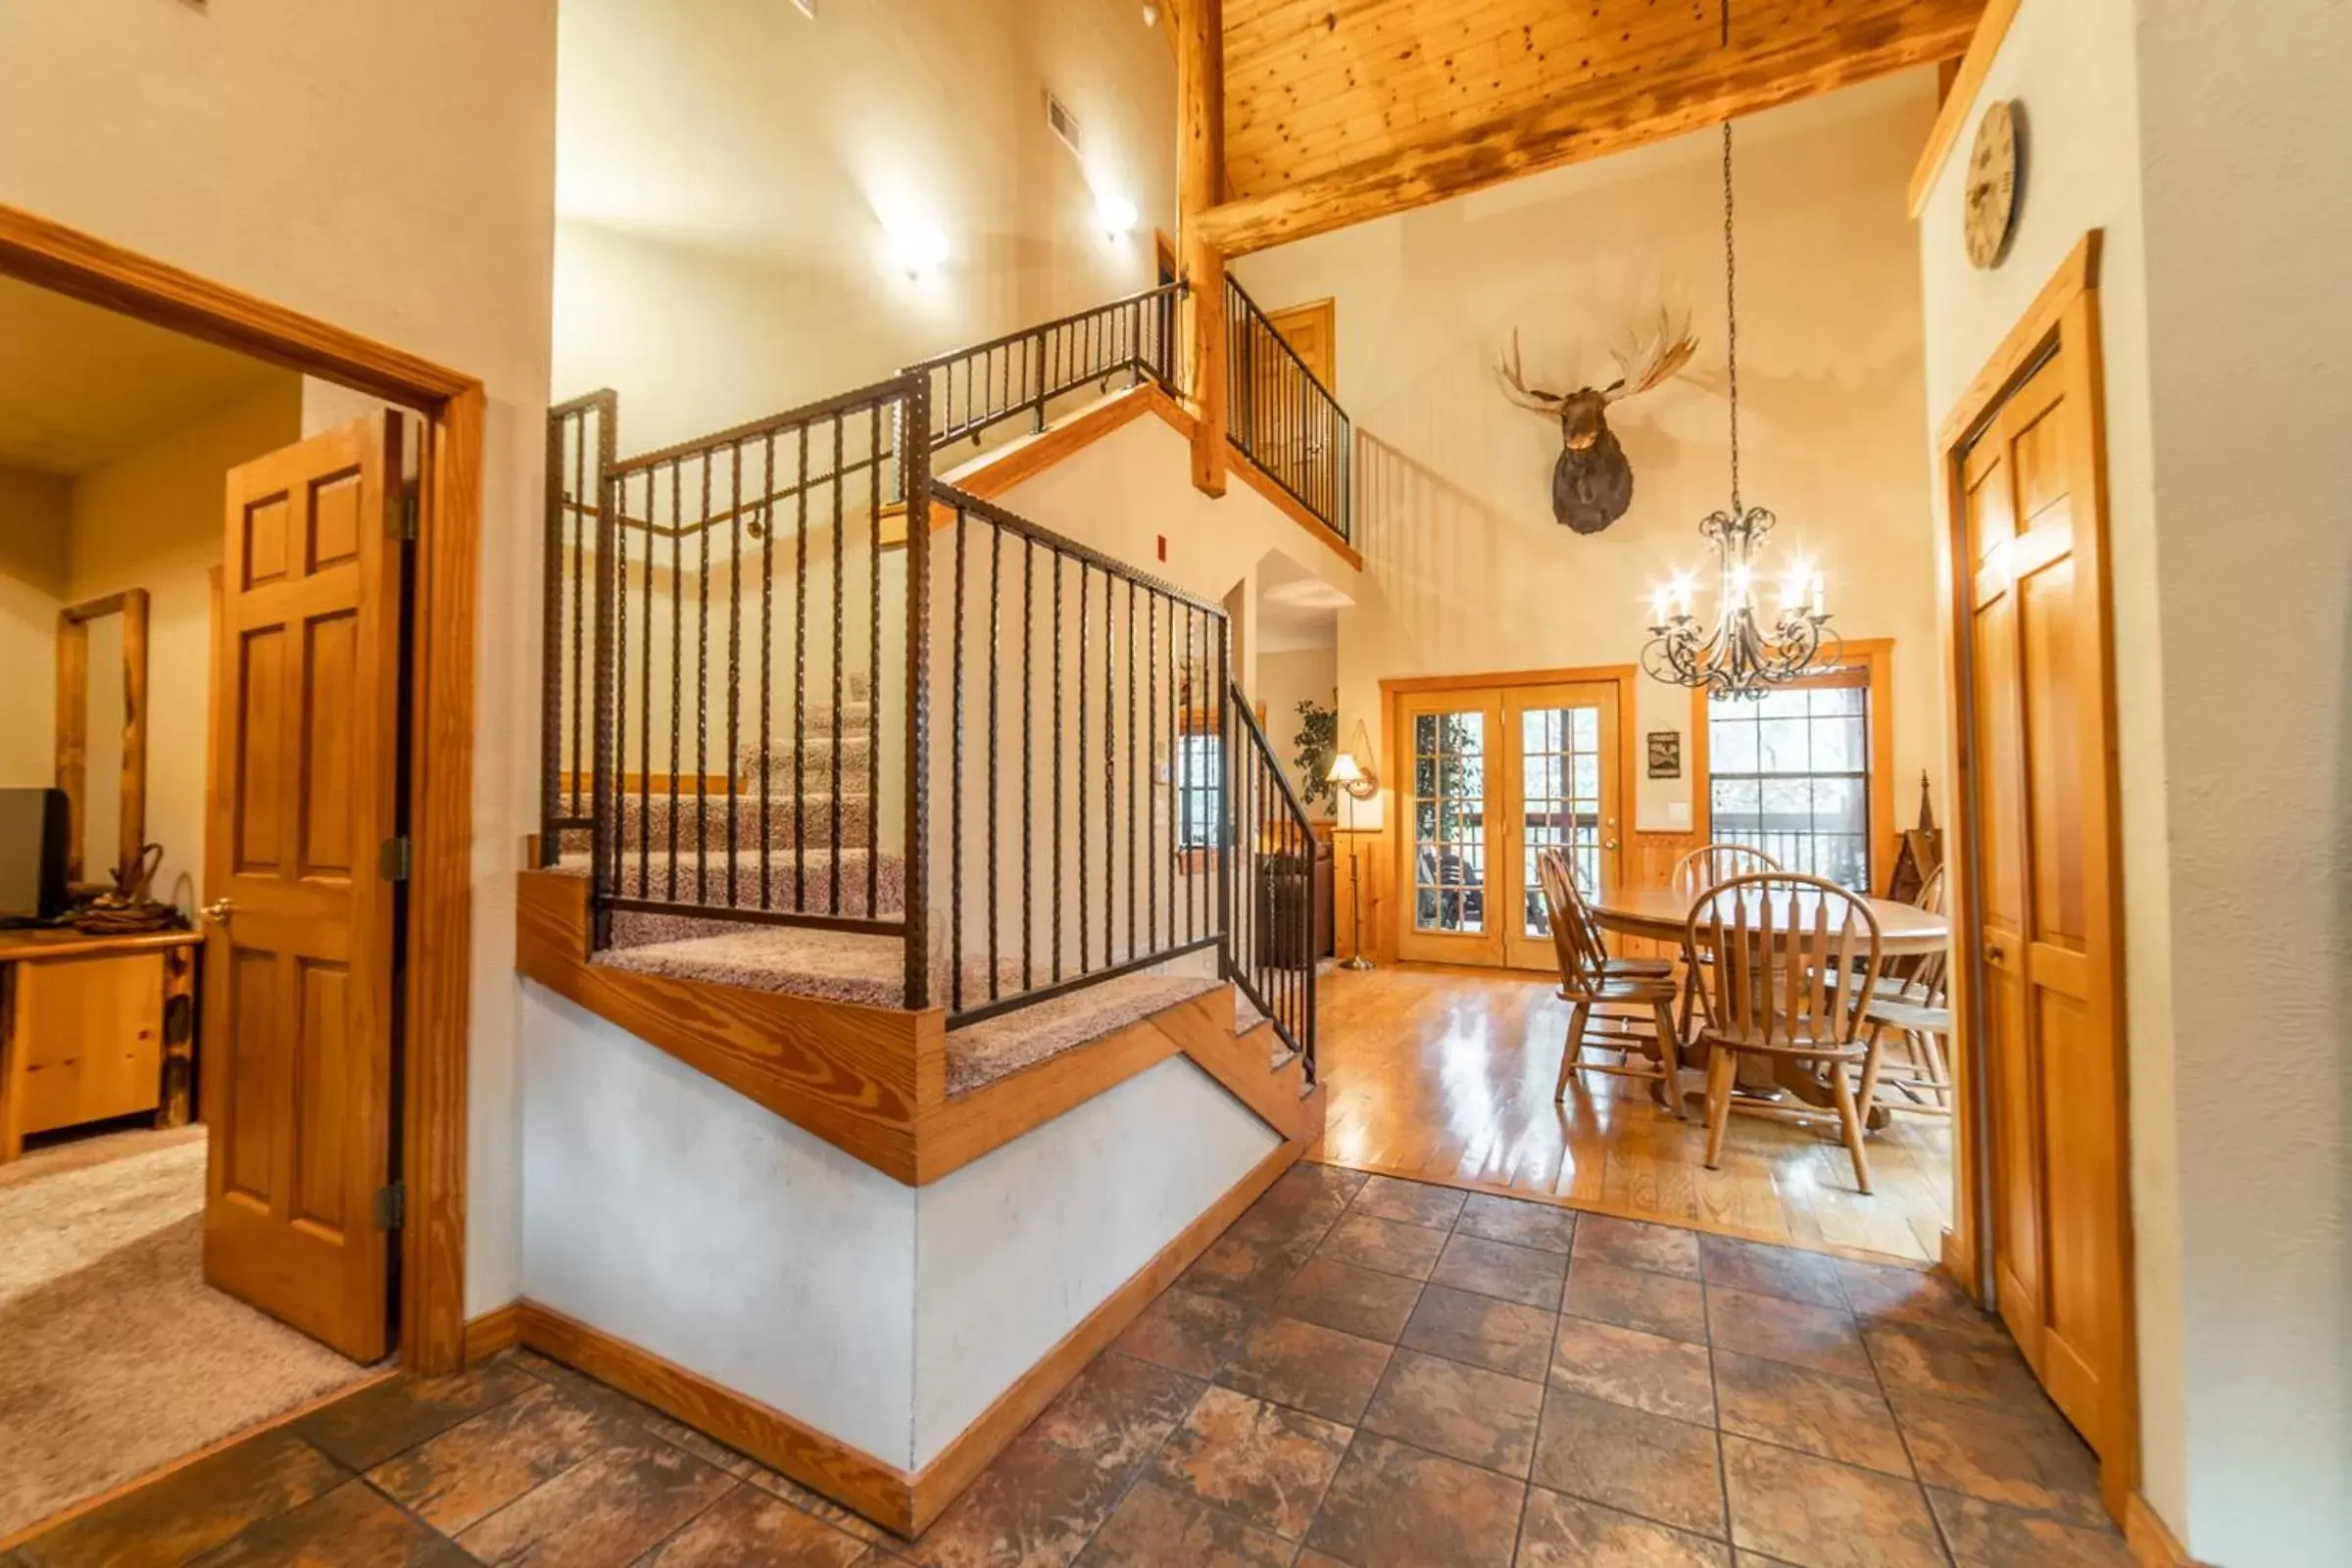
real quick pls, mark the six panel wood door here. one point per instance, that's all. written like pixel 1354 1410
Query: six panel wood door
pixel 1497 775
pixel 2036 627
pixel 298 966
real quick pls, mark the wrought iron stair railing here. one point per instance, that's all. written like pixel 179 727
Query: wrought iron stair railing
pixel 1282 418
pixel 749 654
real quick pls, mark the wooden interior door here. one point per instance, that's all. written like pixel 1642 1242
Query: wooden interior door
pixel 299 928
pixel 2043 958
pixel 1496 774
pixel 1560 776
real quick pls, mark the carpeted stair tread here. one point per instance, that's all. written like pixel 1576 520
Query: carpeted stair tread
pixel 828 965
pixel 1000 1047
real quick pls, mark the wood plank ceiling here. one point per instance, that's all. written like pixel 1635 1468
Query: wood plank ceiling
pixel 1337 111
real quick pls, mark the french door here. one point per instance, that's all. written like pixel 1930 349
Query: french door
pixel 2037 804
pixel 1496 774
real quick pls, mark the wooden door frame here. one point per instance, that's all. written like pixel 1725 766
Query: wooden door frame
pixel 437 989
pixel 2064 315
pixel 1389 859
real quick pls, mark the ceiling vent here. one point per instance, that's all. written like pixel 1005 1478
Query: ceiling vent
pixel 1064 124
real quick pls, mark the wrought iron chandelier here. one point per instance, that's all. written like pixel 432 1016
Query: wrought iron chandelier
pixel 1734 654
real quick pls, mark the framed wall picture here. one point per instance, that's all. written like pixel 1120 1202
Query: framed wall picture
pixel 1665 754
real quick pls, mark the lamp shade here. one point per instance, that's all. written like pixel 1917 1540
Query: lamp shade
pixel 1345 769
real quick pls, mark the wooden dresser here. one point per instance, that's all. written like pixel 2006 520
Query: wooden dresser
pixel 94 1028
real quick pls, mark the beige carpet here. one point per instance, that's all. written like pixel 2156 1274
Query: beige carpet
pixel 115 1357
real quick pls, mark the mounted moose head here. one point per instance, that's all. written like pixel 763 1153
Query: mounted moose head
pixel 1593 483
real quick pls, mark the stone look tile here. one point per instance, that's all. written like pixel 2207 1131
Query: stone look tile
pixel 1547 1227
pixel 1464 1326
pixel 1655 1304
pixel 1188 1330
pixel 1876 1290
pixel 1665 1377
pixel 1984 1534
pixel 1463 1412
pixel 353 1524
pixel 1644 1464
pixel 1357 1300
pixel 1636 1244
pixel 1768 1270
pixel 1389 1245
pixel 2031 1460
pixel 1153 1528
pixel 1952 1366
pixel 1519 1274
pixel 482 1464
pixel 1825 1516
pixel 1566 1533
pixel 749 1529
pixel 1412 1203
pixel 1034 1505
pixel 195 1508
pixel 373 1425
pixel 1822 1337
pixel 1117 1410
pixel 1248 1269
pixel 1268 1464
pixel 1392 1506
pixel 822 1507
pixel 1833 1418
pixel 607 1511
pixel 1305 1200
pixel 1319 1370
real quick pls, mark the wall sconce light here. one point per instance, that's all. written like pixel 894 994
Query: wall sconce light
pixel 1115 215
pixel 917 248
pixel 1150 14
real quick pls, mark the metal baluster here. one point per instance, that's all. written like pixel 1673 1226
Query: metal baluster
pixel 1028 768
pixel 839 655
pixel 677 655
pixel 1058 867
pixel 800 685
pixel 1151 765
pixel 1084 870
pixel 873 665
pixel 956 789
pixel 579 609
pixel 645 685
pixel 1135 767
pixel 767 662
pixel 996 633
pixel 734 648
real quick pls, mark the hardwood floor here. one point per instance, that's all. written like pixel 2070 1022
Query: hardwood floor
pixel 1446 1075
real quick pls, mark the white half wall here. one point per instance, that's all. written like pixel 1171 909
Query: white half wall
pixel 663 1207
pixel 1013 1250
pixel 667 1210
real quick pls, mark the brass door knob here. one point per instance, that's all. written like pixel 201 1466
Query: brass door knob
pixel 217 909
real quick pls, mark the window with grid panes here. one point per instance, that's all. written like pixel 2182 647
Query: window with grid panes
pixel 1199 790
pixel 1450 821
pixel 1788 773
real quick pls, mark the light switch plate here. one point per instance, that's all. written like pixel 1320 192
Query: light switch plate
pixel 1678 813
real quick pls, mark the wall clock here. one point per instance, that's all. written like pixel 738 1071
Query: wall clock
pixel 1991 192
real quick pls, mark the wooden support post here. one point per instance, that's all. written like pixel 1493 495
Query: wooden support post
pixel 1201 183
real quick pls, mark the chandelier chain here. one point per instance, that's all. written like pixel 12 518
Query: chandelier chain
pixel 1730 311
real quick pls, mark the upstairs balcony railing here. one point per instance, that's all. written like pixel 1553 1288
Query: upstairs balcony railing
pixel 1022 374
pixel 1281 416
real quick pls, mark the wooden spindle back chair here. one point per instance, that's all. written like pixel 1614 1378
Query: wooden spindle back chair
pixel 1912 1003
pixel 1712 864
pixel 1794 961
pixel 1590 979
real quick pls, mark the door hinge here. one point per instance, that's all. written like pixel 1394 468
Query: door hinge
pixel 403 512
pixel 392 861
pixel 392 1206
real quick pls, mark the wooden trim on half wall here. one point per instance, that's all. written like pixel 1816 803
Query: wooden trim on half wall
pixel 444 572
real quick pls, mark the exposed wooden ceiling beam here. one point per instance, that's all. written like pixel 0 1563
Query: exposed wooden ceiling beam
pixel 1812 46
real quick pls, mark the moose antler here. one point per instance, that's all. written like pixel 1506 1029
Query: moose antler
pixel 1515 385
pixel 1654 364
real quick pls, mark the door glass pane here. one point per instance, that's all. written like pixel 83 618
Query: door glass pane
pixel 1450 821
pixel 1561 747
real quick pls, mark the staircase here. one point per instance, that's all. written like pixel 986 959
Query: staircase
pixel 820 726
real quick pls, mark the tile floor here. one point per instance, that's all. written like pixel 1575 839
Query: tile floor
pixel 1361 1371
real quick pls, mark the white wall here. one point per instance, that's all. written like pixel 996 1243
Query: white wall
pixel 2203 139
pixel 1465 569
pixel 152 519
pixel 391 170
pixel 731 171
pixel 672 1211
pixel 35 518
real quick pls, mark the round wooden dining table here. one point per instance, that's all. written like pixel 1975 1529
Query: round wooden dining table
pixel 1663 914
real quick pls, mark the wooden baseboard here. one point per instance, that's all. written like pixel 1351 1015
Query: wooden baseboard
pixel 881 1491
pixel 2151 1542
pixel 961 1462
pixel 493 1331
pixel 848 1476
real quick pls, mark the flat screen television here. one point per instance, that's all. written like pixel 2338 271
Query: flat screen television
pixel 32 855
